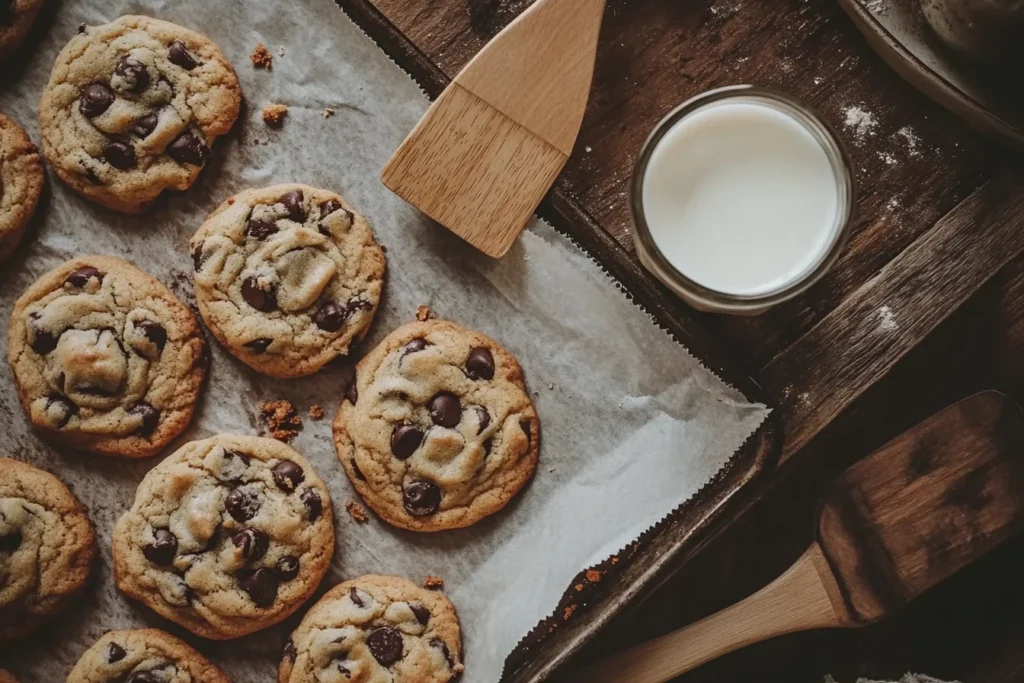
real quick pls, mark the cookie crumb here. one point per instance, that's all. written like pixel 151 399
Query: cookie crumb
pixel 423 313
pixel 578 587
pixel 261 57
pixel 433 583
pixel 280 52
pixel 593 576
pixel 328 112
pixel 356 512
pixel 568 612
pixel 317 412
pixel 231 200
pixel 273 114
pixel 281 419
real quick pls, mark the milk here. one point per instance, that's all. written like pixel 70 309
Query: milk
pixel 741 198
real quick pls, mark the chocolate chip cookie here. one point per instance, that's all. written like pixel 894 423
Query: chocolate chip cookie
pixel 106 358
pixel 287 277
pixel 143 656
pixel 21 182
pixel 375 628
pixel 47 547
pixel 132 108
pixel 437 431
pixel 16 18
pixel 227 536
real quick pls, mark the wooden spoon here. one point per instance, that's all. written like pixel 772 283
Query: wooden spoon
pixel 488 150
pixel 922 507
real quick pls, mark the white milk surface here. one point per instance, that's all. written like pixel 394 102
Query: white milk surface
pixel 741 198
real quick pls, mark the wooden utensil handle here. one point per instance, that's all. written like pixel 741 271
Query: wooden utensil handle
pixel 796 601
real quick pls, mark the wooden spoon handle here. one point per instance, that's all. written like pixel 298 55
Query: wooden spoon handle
pixel 796 601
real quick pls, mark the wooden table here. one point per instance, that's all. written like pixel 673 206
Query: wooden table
pixel 919 170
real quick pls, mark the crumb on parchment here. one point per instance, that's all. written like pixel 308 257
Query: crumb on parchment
pixel 433 583
pixel 423 313
pixel 261 57
pixel 356 512
pixel 317 412
pixel 281 419
pixel 273 113
pixel 328 112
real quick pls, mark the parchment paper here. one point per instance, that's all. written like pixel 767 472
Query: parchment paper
pixel 632 425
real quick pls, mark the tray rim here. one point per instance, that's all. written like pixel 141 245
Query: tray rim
pixel 664 548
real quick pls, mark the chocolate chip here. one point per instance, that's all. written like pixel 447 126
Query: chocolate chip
pixel 421 498
pixel 440 645
pixel 354 305
pixel 67 408
pixel 81 276
pixel 81 27
pixel 287 567
pixel 287 475
pixel 144 677
pixel 293 202
pixel 405 439
pixel 414 346
pixel 258 346
pixel 197 256
pixel 445 409
pixel 163 548
pixel 10 542
pixel 252 542
pixel 150 417
pixel 119 154
pixel 178 54
pixel 329 207
pixel 133 72
pixel 260 230
pixel 352 392
pixel 386 645
pixel 483 418
pixel 256 297
pixel 96 99
pixel 44 342
pixel 115 653
pixel 421 612
pixel 353 595
pixel 355 470
pixel 488 445
pixel 145 125
pixel 330 317
pixel 525 424
pixel 314 505
pixel 155 332
pixel 242 504
pixel 480 363
pixel 188 148
pixel 289 651
pixel 261 585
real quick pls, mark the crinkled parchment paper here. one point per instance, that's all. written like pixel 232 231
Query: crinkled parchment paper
pixel 632 425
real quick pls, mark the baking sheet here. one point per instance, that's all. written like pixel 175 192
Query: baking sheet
pixel 632 425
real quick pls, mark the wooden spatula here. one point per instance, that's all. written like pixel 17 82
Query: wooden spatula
pixel 892 526
pixel 489 148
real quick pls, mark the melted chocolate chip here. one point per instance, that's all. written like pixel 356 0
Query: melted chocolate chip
pixel 10 542
pixel 287 568
pixel 329 207
pixel 155 332
pixel 488 445
pixel 261 585
pixel 421 498
pixel 119 154
pixel 252 542
pixel 81 276
pixel 440 645
pixel 289 651
pixel 144 677
pixel 163 548
pixel 197 256
pixel 330 316
pixel 525 425
pixel 480 363
pixel 67 408
pixel 288 475
pixel 293 203
pixel 421 612
pixel 44 342
pixel 145 125
pixel 483 418
pixel 415 346
pixel 386 645
pixel 178 54
pixel 258 346
pixel 353 595
pixel 256 297
pixel 96 99
pixel 314 504
pixel 133 72
pixel 405 439
pixel 445 409
pixel 260 230
pixel 150 417
pixel 352 392
pixel 355 470
pixel 188 148
pixel 356 305
pixel 115 653
pixel 242 504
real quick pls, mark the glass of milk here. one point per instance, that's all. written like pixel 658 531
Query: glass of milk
pixel 742 198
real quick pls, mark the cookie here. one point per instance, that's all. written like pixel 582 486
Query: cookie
pixel 21 182
pixel 106 358
pixel 287 277
pixel 16 18
pixel 132 109
pixel 143 656
pixel 47 547
pixel 227 536
pixel 437 431
pixel 375 628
